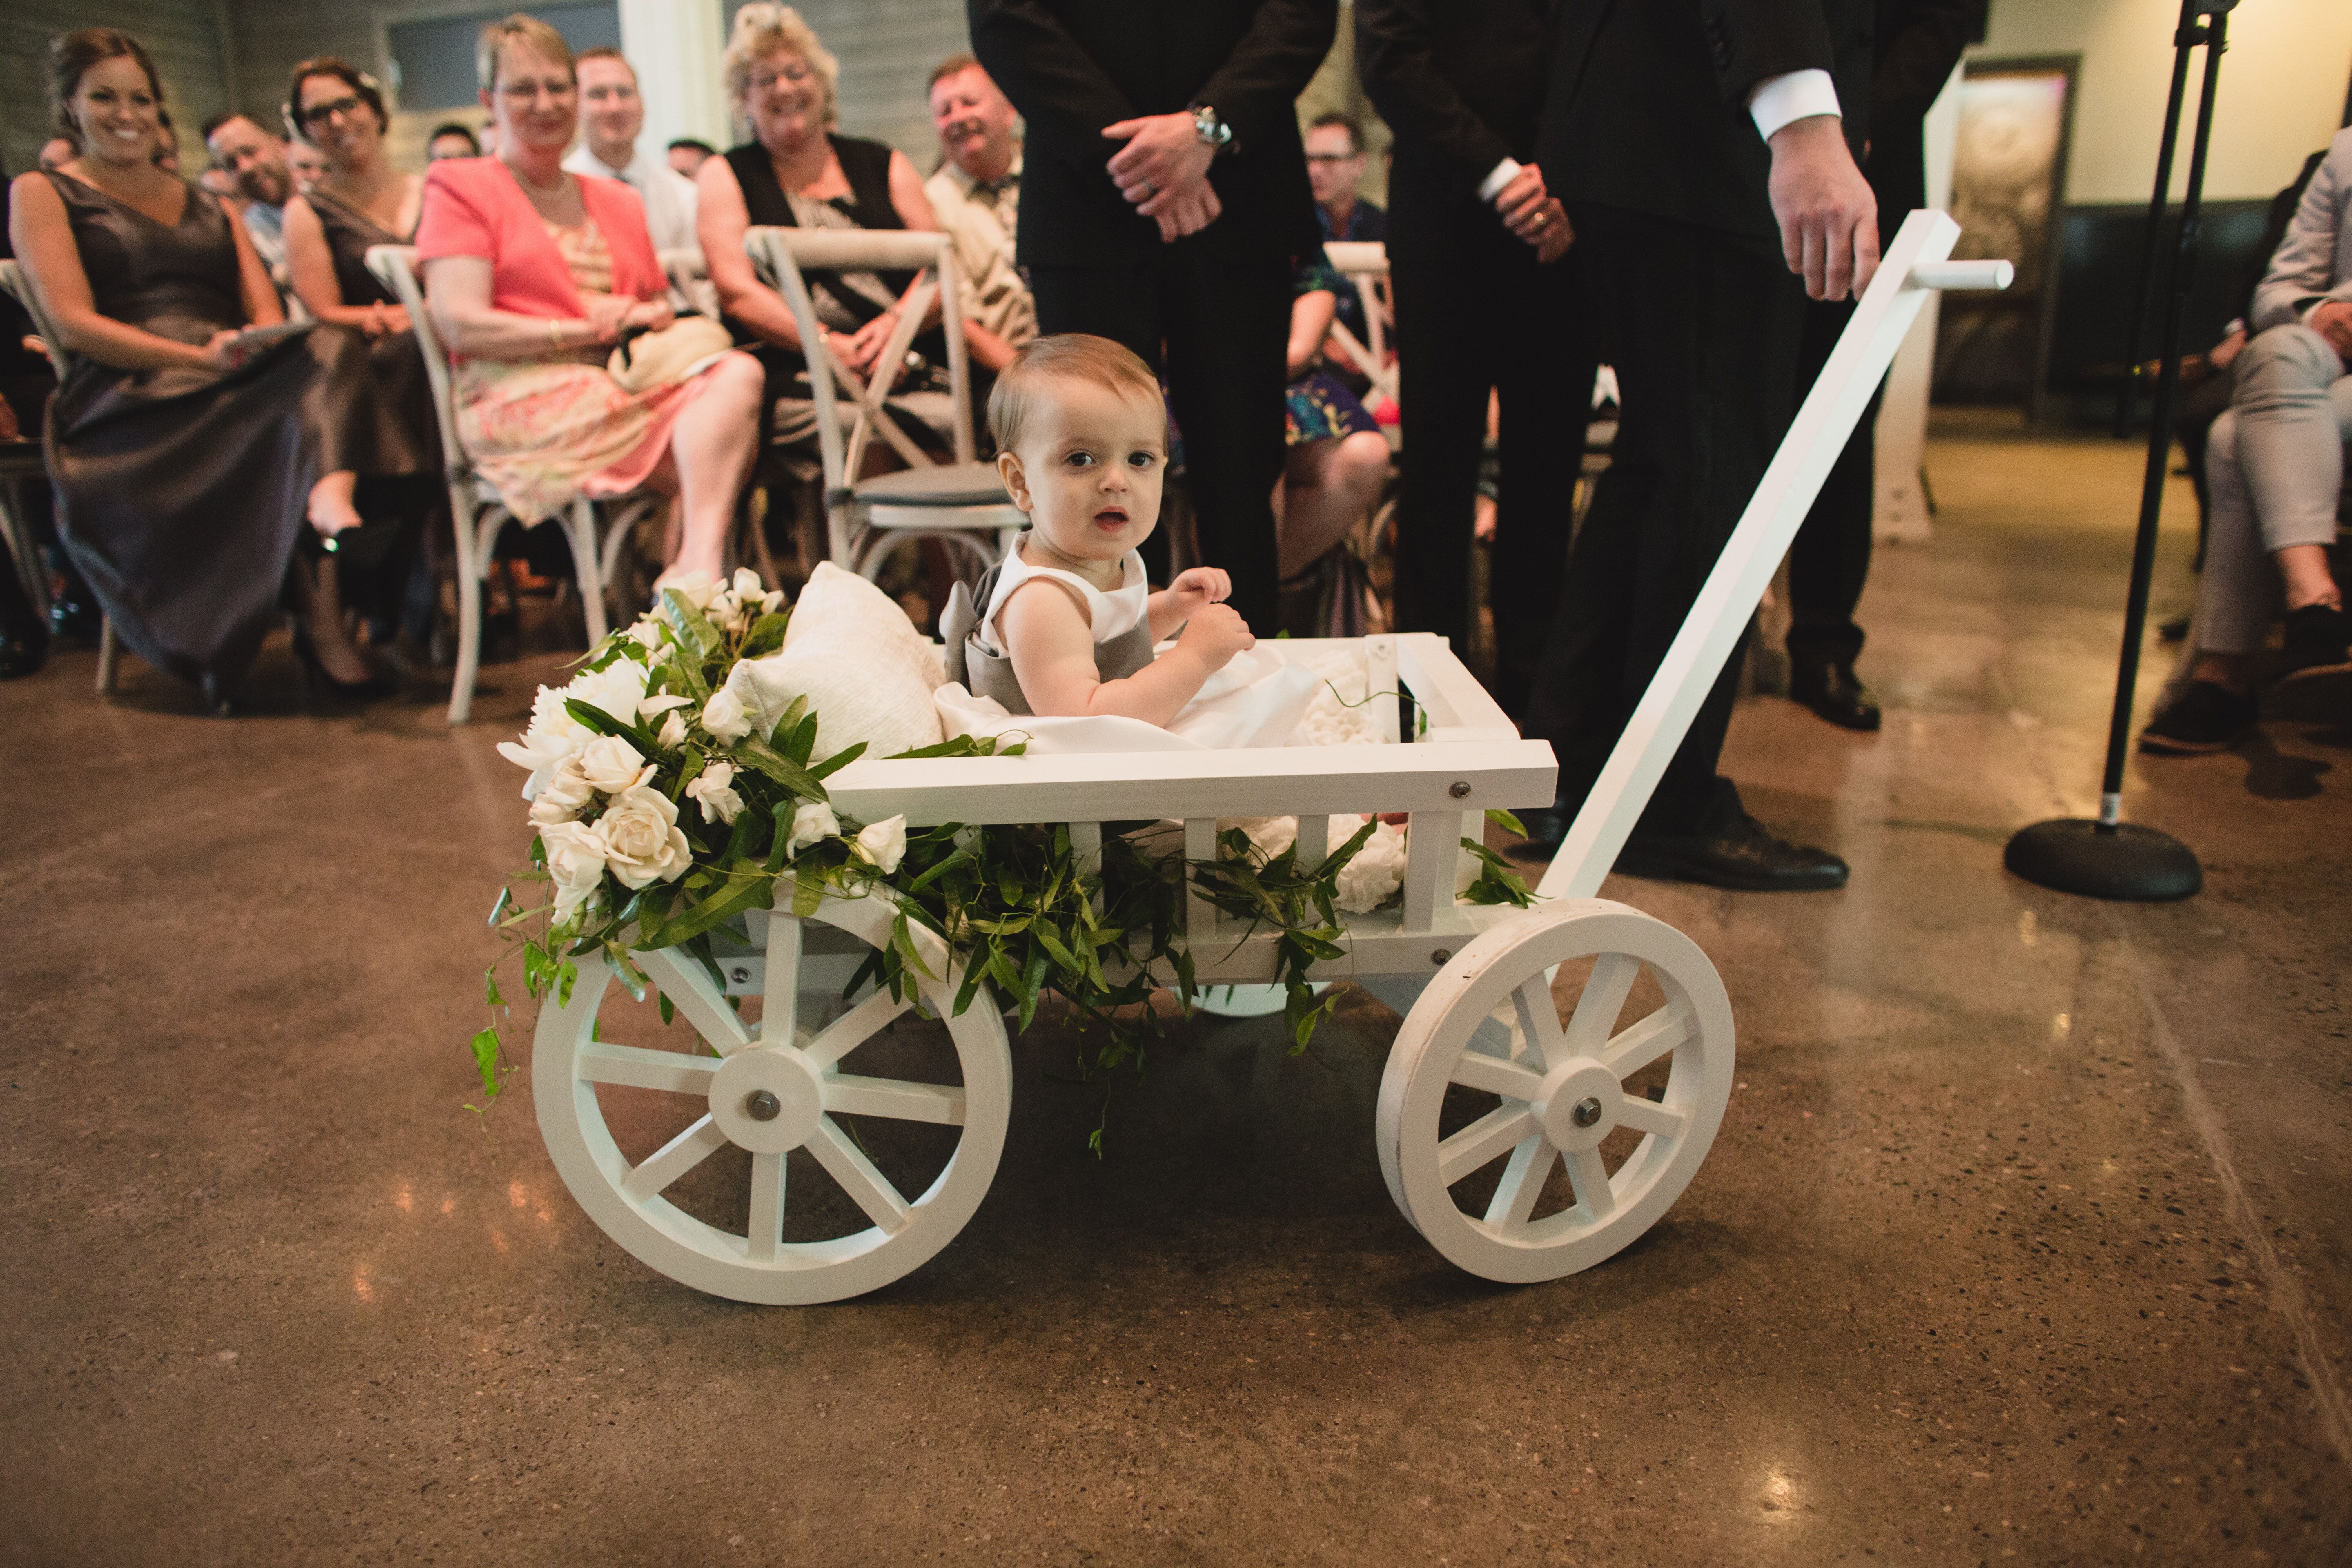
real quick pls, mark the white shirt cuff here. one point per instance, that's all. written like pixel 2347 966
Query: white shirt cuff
pixel 1504 173
pixel 1795 95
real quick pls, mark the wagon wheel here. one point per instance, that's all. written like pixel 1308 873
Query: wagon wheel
pixel 1556 1093
pixel 776 1087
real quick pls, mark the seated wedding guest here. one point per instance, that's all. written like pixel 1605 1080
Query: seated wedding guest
pixel 976 195
pixel 25 383
pixel 795 173
pixel 612 114
pixel 187 461
pixel 167 146
pixel 1338 458
pixel 255 160
pixel 2275 466
pixel 688 154
pixel 533 274
pixel 1335 167
pixel 453 139
pixel 362 200
pixel 304 165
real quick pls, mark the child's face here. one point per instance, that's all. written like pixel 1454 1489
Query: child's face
pixel 1089 469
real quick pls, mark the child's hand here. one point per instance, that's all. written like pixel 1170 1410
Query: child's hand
pixel 1216 632
pixel 1200 585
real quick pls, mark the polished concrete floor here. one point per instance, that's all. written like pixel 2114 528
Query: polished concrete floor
pixel 2024 1239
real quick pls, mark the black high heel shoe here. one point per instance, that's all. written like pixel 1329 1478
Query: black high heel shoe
pixel 368 688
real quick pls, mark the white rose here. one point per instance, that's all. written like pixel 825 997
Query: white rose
pixel 725 718
pixel 884 844
pixel 642 841
pixel 653 707
pixel 565 797
pixel 813 822
pixel 711 787
pixel 575 860
pixel 749 593
pixel 646 634
pixel 696 588
pixel 672 732
pixel 553 738
pixel 610 764
pixel 617 688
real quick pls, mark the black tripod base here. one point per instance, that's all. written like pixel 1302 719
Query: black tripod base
pixel 2076 855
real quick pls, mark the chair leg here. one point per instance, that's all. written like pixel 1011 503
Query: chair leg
pixel 106 656
pixel 465 522
pixel 584 555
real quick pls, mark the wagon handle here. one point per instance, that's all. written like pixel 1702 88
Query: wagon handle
pixel 1914 266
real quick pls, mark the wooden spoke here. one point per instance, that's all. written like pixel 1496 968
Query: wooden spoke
pixel 675 1158
pixel 690 992
pixel 1614 974
pixel 1649 1116
pixel 1493 1076
pixel 1641 1044
pixel 869 1188
pixel 942 1103
pixel 1591 1178
pixel 1483 1141
pixel 601 1061
pixel 767 1206
pixel 1522 1184
pixel 780 995
pixel 854 1027
pixel 1540 1021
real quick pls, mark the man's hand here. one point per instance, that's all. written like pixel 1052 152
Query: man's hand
pixel 1828 217
pixel 1555 234
pixel 2222 353
pixel 1188 213
pixel 1161 168
pixel 2333 322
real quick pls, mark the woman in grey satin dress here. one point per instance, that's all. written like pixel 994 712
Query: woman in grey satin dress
pixel 189 466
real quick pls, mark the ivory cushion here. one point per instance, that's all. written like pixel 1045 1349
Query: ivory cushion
pixel 866 672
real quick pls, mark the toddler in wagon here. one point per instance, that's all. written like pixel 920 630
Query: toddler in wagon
pixel 1066 623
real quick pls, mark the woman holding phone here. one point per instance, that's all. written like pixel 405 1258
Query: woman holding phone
pixel 193 451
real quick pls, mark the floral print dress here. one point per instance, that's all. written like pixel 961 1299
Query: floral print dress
pixel 545 431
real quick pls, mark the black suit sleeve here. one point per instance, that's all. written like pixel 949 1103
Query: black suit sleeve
pixel 1917 58
pixel 1255 90
pixel 1419 104
pixel 1750 41
pixel 1040 68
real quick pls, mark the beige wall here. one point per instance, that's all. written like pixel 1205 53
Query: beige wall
pixel 2282 93
pixel 181 36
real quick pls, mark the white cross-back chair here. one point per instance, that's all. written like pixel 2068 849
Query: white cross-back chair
pixel 474 506
pixel 13 279
pixel 690 288
pixel 1365 264
pixel 962 504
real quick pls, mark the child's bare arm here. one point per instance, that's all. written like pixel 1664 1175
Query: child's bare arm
pixel 1181 600
pixel 1053 652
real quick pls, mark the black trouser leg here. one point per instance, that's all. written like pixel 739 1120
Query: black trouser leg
pixel 1228 317
pixel 1448 353
pixel 1702 327
pixel 1547 401
pixel 1830 561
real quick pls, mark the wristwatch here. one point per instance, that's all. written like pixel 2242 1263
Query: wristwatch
pixel 1214 133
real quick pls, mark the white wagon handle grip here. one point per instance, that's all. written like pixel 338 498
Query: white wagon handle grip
pixel 1915 265
pixel 1963 275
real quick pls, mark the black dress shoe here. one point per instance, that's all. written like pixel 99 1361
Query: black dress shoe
pixel 1546 825
pixel 1831 689
pixel 1742 854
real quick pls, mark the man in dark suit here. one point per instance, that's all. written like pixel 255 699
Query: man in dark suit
pixel 1484 300
pixel 1699 146
pixel 1165 201
pixel 1916 44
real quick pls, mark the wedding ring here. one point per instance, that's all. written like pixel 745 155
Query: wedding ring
pixel 1146 192
pixel 1542 219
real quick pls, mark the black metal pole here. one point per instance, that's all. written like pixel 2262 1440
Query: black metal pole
pixel 2180 277
pixel 2184 38
pixel 2106 856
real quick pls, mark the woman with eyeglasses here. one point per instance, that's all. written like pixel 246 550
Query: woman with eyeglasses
pixel 191 461
pixel 532 276
pixel 360 200
pixel 797 172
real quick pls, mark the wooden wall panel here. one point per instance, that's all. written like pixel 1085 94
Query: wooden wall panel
pixel 183 36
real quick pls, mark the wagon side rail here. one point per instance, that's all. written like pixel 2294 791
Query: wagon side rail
pixel 1914 267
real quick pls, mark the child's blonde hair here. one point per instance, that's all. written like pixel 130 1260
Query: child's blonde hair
pixel 1072 357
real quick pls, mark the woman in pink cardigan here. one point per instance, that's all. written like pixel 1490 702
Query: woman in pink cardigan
pixel 533 274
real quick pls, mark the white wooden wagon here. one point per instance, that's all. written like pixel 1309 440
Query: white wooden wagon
pixel 1486 1071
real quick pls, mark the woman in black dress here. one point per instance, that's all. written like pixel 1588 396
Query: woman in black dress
pixel 362 200
pixel 796 174
pixel 190 465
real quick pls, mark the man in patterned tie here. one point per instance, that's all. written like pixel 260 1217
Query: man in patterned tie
pixel 977 196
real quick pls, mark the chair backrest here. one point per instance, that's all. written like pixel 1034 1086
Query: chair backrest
pixel 394 267
pixel 779 255
pixel 1365 263
pixel 689 279
pixel 12 280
